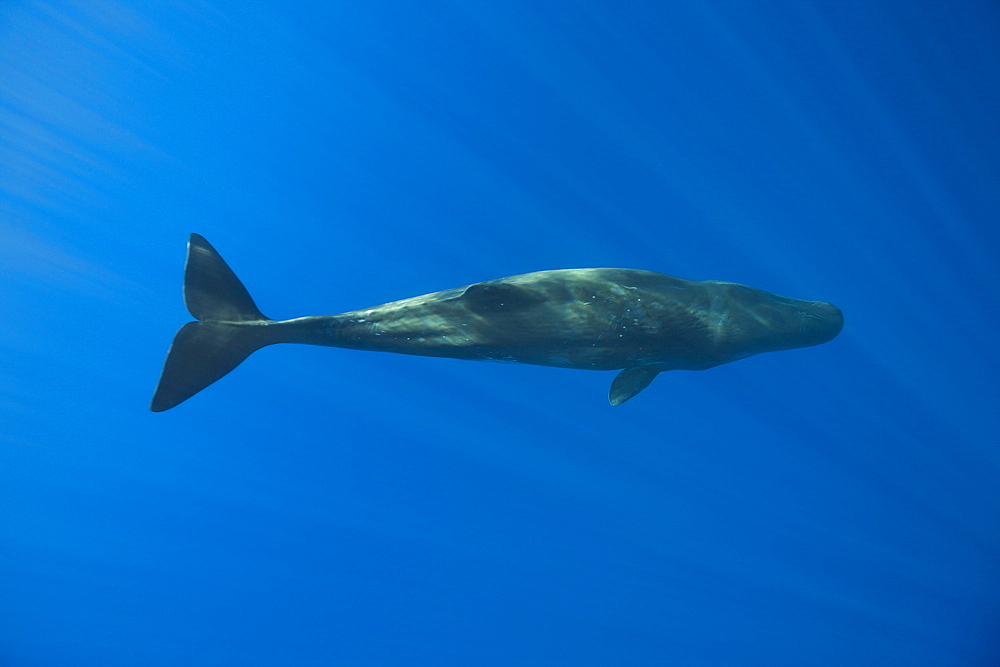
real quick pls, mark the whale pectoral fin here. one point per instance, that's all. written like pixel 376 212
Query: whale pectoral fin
pixel 494 296
pixel 630 382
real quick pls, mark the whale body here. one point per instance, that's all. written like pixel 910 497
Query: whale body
pixel 639 322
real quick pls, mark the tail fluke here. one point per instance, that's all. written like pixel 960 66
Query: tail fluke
pixel 231 327
pixel 212 292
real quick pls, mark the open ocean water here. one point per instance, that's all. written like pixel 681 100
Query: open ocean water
pixel 834 505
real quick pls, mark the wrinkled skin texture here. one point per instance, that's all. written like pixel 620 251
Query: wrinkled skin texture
pixel 599 319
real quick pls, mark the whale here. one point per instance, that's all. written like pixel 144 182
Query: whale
pixel 640 323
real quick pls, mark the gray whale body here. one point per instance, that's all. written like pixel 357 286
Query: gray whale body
pixel 641 322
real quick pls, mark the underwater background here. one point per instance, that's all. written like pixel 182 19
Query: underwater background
pixel 835 505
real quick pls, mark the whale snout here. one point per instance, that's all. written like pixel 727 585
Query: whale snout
pixel 826 321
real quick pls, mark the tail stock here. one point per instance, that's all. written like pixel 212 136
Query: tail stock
pixel 229 328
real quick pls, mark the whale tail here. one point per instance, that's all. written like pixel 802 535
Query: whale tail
pixel 229 328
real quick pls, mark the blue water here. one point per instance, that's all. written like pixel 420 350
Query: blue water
pixel 835 505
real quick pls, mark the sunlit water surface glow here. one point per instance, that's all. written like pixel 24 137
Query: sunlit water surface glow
pixel 834 505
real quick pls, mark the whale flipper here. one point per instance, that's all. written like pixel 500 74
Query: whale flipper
pixel 630 382
pixel 230 328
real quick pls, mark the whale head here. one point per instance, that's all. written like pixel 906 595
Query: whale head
pixel 759 321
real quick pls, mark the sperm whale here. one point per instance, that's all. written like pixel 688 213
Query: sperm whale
pixel 638 322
